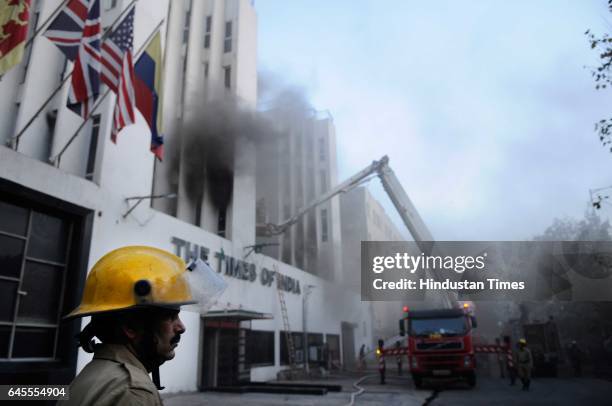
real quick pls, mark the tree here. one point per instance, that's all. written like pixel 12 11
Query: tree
pixel 591 228
pixel 602 75
pixel 587 322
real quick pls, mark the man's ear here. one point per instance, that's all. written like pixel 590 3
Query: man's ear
pixel 130 333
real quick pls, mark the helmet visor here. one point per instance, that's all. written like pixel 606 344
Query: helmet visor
pixel 205 284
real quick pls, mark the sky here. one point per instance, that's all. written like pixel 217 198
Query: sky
pixel 485 108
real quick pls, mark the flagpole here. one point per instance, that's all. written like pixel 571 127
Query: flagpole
pixel 14 141
pixel 55 160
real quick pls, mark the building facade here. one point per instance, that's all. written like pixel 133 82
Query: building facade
pixel 58 217
pixel 298 164
pixel 364 219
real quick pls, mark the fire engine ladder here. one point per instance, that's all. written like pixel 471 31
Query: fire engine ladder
pixel 288 336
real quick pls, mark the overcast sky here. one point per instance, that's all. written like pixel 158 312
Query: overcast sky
pixel 485 108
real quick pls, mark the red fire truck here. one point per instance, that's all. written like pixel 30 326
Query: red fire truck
pixel 439 344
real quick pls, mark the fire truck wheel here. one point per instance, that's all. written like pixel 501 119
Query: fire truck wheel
pixel 471 379
pixel 418 381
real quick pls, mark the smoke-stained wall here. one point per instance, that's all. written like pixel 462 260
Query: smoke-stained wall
pixel 210 91
pixel 297 164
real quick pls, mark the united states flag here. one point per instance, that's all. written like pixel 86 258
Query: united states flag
pixel 76 32
pixel 118 72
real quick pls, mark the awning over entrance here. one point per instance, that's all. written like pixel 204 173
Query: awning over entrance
pixel 237 315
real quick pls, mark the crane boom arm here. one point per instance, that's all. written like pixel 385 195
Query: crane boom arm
pixel 350 183
pixel 410 216
pixel 407 211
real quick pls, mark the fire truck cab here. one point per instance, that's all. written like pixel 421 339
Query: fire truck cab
pixel 439 344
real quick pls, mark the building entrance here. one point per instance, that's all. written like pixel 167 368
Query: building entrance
pixel 223 354
pixel 348 345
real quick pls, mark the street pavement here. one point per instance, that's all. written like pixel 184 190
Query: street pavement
pixel 399 391
pixel 543 392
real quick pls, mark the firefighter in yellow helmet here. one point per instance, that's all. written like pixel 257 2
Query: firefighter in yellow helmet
pixel 133 295
pixel 525 363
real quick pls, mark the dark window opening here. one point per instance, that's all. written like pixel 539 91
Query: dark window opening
pixel 324 230
pixel 259 347
pixel 44 246
pixel 298 339
pixel 227 41
pixel 227 76
pixel 51 120
pixel 110 4
pixel 315 347
pixel 34 253
pixel 333 349
pixel 207 32
pixel 221 226
pixel 198 213
pixel 187 21
pixel 93 146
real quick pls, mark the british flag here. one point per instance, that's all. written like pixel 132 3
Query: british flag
pixel 118 72
pixel 76 32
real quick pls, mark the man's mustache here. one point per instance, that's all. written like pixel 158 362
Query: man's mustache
pixel 175 339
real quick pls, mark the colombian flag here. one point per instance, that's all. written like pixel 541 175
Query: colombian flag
pixel 14 17
pixel 148 86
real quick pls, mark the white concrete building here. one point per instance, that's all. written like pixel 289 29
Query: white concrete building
pixel 56 221
pixel 297 165
pixel 364 219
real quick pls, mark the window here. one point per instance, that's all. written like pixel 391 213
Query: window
pixel 324 225
pixel 187 20
pixel 227 42
pixel 208 27
pixel 227 70
pixel 221 223
pixel 33 265
pixel 333 348
pixel 44 247
pixel 93 146
pixel 315 347
pixel 51 120
pixel 205 69
pixel 110 4
pixel 298 339
pixel 260 347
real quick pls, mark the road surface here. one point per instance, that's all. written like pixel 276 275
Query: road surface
pixel 399 391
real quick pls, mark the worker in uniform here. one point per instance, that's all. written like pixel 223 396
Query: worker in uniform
pixel 525 363
pixel 382 367
pixel 362 360
pixel 575 355
pixel 500 358
pixel 398 358
pixel 133 295
pixel 510 361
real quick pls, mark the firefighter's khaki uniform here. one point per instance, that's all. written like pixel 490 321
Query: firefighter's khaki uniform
pixel 525 363
pixel 114 377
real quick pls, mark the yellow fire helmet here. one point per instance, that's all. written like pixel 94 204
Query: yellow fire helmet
pixel 137 276
pixel 523 341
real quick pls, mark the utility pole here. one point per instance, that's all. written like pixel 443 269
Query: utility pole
pixel 307 291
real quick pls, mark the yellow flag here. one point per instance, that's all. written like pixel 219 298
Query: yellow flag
pixel 14 16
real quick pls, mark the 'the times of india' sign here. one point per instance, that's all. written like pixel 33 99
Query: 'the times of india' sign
pixel 234 267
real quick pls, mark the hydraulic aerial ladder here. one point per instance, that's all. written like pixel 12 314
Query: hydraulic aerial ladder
pixel 406 209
